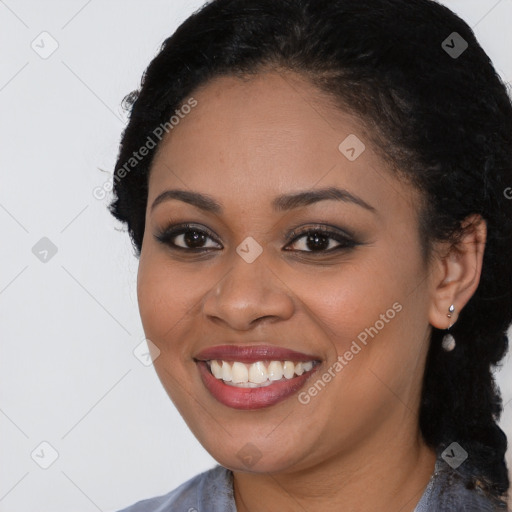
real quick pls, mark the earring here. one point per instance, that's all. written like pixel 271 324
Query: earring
pixel 448 343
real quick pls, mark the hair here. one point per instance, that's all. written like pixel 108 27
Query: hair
pixel 443 122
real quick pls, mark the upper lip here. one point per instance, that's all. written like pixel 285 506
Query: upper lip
pixel 252 354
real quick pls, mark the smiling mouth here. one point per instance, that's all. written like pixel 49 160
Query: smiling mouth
pixel 254 376
pixel 258 374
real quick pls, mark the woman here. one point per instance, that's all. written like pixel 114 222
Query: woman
pixel 316 190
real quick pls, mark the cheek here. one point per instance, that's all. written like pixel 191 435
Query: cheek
pixel 166 296
pixel 375 326
pixel 370 321
pixel 166 299
pixel 344 302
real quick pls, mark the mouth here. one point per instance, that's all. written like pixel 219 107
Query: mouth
pixel 254 377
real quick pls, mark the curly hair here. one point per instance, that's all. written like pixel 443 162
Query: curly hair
pixel 442 121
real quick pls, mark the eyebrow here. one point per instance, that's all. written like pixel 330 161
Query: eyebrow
pixel 281 203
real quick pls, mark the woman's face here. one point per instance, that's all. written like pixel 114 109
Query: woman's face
pixel 351 305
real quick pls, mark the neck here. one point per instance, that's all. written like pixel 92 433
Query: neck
pixel 391 476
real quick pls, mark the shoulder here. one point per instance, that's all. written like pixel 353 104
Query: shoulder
pixel 214 487
pixel 455 491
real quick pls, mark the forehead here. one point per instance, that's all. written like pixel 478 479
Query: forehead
pixel 267 135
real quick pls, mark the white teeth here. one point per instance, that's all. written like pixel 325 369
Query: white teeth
pixel 239 373
pixel 249 384
pixel 226 372
pixel 307 366
pixel 216 369
pixel 257 374
pixel 275 370
pixel 288 369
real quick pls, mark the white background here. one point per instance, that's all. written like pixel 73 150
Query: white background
pixel 69 326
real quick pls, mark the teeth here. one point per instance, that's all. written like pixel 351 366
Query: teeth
pixel 288 369
pixel 275 370
pixel 307 366
pixel 216 369
pixel 257 374
pixel 226 372
pixel 239 373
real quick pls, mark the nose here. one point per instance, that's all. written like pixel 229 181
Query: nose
pixel 248 294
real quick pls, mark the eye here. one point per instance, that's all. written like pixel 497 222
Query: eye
pixel 318 239
pixel 186 238
pixel 321 240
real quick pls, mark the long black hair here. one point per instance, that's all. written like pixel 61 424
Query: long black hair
pixel 437 111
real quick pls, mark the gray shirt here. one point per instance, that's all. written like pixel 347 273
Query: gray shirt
pixel 212 491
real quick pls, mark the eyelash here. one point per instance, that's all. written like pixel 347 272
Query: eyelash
pixel 346 241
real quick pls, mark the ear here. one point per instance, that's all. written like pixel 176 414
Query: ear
pixel 457 270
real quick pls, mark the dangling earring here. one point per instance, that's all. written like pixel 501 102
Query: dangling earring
pixel 448 343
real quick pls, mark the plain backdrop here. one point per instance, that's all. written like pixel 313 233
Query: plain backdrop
pixel 85 425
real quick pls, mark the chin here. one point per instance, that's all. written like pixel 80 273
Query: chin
pixel 256 453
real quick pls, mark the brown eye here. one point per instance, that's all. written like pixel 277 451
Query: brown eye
pixel 187 238
pixel 321 240
pixel 190 238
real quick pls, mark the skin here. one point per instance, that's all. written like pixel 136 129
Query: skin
pixel 356 445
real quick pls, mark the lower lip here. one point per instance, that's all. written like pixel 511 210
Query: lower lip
pixel 251 398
